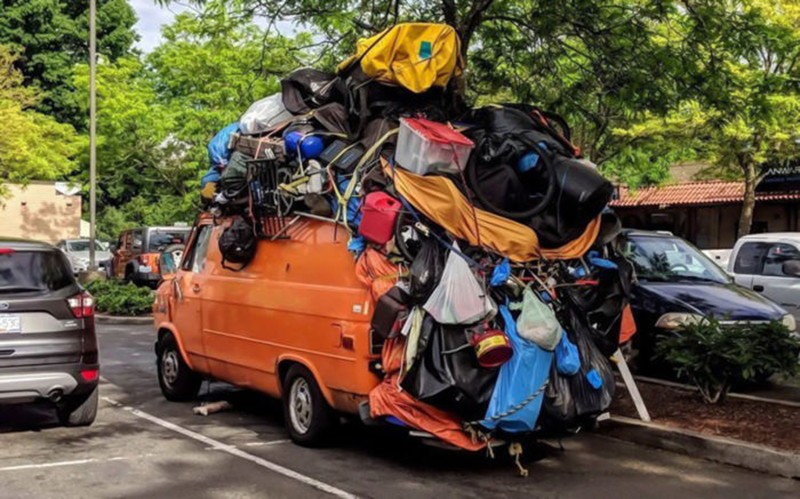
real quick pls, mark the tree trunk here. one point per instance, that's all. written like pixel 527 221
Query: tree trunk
pixel 749 201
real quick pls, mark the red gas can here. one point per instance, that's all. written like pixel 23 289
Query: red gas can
pixel 379 212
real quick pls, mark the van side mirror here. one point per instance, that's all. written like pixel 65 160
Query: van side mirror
pixel 791 268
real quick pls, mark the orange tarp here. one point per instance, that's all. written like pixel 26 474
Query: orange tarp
pixel 376 271
pixel 387 399
pixel 440 200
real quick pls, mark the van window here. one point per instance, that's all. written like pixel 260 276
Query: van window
pixel 777 254
pixel 194 260
pixel 750 258
pixel 137 240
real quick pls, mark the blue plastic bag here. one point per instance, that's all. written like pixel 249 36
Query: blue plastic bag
pixel 501 273
pixel 218 152
pixel 568 359
pixel 519 390
pixel 212 175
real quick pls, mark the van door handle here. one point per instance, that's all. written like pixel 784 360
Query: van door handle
pixel 196 288
pixel 758 288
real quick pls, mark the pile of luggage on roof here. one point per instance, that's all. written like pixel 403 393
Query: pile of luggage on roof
pixel 482 234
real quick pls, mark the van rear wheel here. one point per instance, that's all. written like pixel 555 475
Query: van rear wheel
pixel 309 418
pixel 177 381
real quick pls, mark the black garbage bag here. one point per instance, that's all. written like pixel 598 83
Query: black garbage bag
pixel 571 401
pixel 426 269
pixel 604 303
pixel 447 375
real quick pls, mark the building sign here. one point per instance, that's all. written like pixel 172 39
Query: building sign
pixel 780 178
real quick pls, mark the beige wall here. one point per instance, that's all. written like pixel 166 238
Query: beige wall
pixel 39 212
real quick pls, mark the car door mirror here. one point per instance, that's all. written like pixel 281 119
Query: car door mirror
pixel 791 268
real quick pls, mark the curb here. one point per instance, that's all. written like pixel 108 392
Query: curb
pixel 723 450
pixel 123 321
pixel 733 395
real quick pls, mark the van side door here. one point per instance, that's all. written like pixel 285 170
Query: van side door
pixel 749 260
pixel 186 301
pixel 773 283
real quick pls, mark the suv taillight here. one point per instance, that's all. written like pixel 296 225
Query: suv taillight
pixel 82 305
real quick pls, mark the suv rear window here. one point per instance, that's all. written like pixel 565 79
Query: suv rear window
pixel 22 271
pixel 160 239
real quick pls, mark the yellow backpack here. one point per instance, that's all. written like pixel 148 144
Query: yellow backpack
pixel 416 56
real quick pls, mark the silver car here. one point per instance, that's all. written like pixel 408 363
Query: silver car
pixel 77 251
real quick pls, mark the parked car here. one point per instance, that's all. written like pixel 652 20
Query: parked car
pixel 77 251
pixel 678 284
pixel 293 324
pixel 769 264
pixel 136 258
pixel 48 347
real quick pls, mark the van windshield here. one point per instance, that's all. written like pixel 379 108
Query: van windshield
pixel 22 271
pixel 671 259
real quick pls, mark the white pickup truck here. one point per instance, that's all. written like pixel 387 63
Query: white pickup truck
pixel 769 264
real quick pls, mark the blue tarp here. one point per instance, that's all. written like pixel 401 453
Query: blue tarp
pixel 218 152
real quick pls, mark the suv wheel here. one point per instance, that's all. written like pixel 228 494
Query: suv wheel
pixel 80 411
pixel 309 418
pixel 177 381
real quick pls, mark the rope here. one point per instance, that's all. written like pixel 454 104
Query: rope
pixel 515 409
pixel 515 451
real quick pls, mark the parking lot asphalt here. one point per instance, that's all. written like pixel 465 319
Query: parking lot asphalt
pixel 143 446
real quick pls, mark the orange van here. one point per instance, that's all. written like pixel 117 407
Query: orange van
pixel 293 324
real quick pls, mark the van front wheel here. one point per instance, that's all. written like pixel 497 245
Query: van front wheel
pixel 308 416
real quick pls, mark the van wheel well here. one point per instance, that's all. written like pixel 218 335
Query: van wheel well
pixel 162 333
pixel 283 369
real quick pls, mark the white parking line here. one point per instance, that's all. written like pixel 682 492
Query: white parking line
pixel 267 444
pixel 235 451
pixel 71 463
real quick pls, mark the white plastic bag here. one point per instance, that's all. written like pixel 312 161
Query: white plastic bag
pixel 459 298
pixel 537 322
pixel 263 114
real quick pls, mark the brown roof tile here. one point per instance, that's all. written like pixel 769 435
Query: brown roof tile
pixel 694 193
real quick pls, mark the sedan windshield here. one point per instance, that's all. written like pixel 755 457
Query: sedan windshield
pixel 671 259
pixel 83 245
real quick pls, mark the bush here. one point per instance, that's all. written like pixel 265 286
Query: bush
pixel 713 357
pixel 116 298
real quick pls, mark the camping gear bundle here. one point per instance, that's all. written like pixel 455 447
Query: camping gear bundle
pixel 481 234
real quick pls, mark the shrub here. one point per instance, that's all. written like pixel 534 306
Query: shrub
pixel 116 298
pixel 713 357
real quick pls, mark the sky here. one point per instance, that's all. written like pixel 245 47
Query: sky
pixel 151 18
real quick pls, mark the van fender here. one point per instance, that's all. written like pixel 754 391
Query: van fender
pixel 289 357
pixel 168 326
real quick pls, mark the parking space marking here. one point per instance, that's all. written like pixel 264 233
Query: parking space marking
pixel 235 451
pixel 71 463
pixel 267 444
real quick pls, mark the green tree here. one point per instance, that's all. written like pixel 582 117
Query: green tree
pixel 52 36
pixel 32 145
pixel 155 117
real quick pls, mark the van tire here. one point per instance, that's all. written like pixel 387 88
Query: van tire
pixel 309 418
pixel 177 380
pixel 79 412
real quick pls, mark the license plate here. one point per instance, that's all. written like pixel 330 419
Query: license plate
pixel 10 323
pixel 145 269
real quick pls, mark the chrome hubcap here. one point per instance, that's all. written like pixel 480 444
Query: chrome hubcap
pixel 300 406
pixel 169 367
